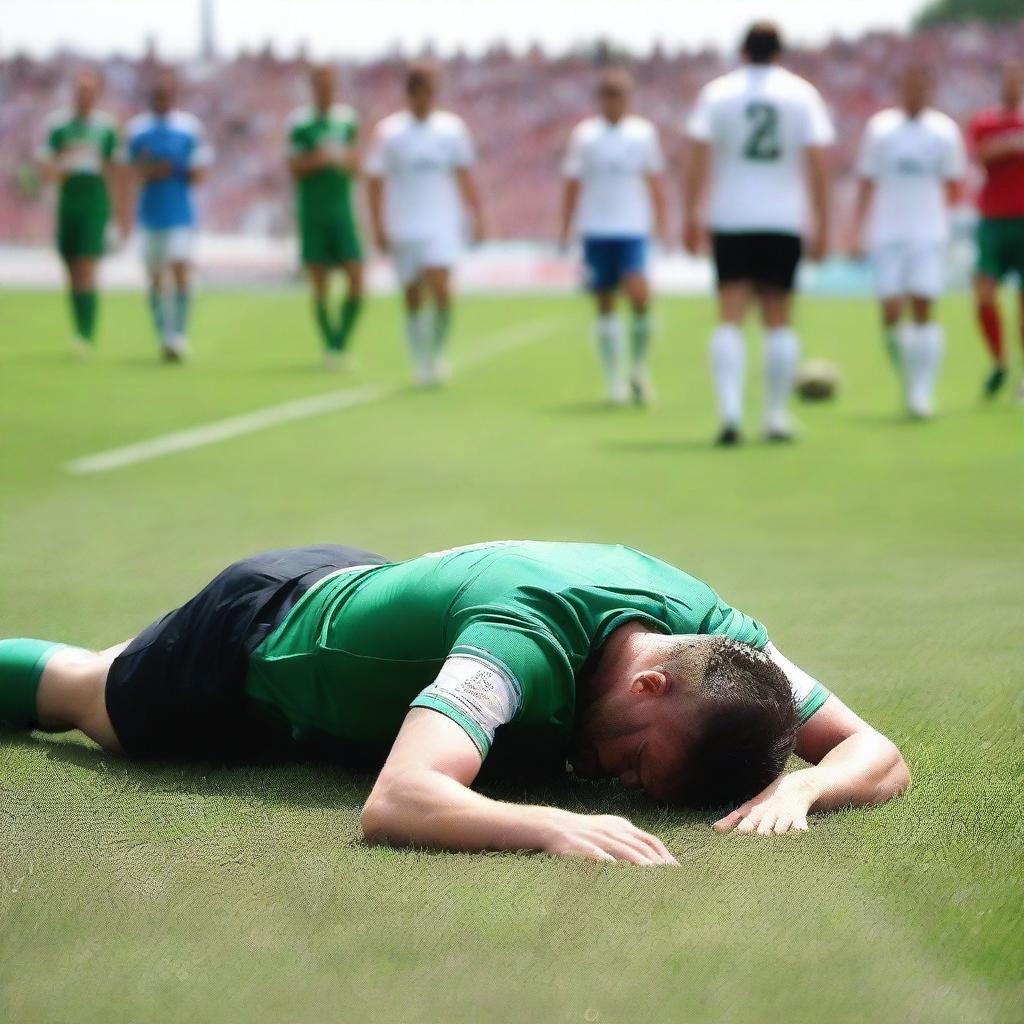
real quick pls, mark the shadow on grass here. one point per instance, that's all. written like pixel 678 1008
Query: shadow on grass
pixel 321 783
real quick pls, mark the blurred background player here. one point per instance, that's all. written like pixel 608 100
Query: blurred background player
pixel 420 177
pixel 169 152
pixel 78 153
pixel 996 138
pixel 324 162
pixel 614 194
pixel 911 166
pixel 759 134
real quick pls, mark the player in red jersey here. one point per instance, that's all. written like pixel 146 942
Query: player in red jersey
pixel 997 143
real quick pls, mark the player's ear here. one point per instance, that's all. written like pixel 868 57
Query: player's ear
pixel 651 682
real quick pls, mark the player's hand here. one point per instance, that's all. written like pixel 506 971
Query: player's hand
pixel 348 160
pixel 156 170
pixel 780 807
pixel 855 248
pixel 381 240
pixel 604 837
pixel 695 236
pixel 479 231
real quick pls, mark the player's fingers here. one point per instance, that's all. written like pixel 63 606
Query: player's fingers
pixel 751 820
pixel 784 824
pixel 800 824
pixel 658 847
pixel 586 851
pixel 639 851
pixel 729 822
pixel 766 825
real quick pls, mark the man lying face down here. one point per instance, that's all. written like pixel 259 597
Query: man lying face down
pixel 534 654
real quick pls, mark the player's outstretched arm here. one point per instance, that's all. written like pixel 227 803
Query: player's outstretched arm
pixel 852 765
pixel 422 798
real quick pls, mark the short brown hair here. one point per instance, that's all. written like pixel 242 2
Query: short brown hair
pixel 745 729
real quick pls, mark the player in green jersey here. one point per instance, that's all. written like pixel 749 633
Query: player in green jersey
pixel 526 654
pixel 78 153
pixel 324 162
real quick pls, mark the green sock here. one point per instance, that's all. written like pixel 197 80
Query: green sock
pixel 88 300
pixel 350 309
pixel 21 664
pixel 323 321
pixel 81 313
pixel 892 344
pixel 442 322
pixel 640 336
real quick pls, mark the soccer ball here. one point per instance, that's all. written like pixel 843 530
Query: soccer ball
pixel 817 380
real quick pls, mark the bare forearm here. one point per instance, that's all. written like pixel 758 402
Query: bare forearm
pixel 658 204
pixel 430 809
pixel 375 198
pixel 817 173
pixel 864 769
pixel 570 193
pixel 695 182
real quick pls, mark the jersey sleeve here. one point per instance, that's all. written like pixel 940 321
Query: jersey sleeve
pixel 465 151
pixel 475 694
pixel 818 129
pixel 493 670
pixel 201 153
pixel 808 693
pixel 698 125
pixel 50 144
pixel 954 155
pixel 655 162
pixel 572 165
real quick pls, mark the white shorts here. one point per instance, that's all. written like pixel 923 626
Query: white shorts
pixel 167 245
pixel 909 268
pixel 413 257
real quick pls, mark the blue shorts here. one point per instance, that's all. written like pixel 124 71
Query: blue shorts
pixel 608 260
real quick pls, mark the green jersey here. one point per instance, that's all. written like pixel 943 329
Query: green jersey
pixel 494 636
pixel 80 147
pixel 327 192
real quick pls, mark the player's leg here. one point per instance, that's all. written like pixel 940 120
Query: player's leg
pixel 155 256
pixel 438 281
pixel 923 352
pixel 727 349
pixel 989 270
pixel 419 325
pixel 51 686
pixel 83 272
pixel 781 356
pixel 319 275
pixel 601 269
pixel 180 253
pixel 350 258
pixel 637 288
pixel 887 263
pixel 638 292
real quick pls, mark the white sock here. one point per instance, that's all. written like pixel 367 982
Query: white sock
pixel 419 337
pixel 923 345
pixel 781 355
pixel 611 347
pixel 728 368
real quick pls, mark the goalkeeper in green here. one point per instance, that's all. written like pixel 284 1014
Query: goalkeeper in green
pixel 323 161
pixel 77 152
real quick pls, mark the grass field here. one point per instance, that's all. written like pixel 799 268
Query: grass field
pixel 885 557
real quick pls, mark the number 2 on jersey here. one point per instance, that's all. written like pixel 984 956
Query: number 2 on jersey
pixel 763 142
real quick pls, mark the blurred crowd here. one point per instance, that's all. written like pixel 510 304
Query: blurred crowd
pixel 519 107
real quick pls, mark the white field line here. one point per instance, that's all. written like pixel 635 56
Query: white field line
pixel 288 412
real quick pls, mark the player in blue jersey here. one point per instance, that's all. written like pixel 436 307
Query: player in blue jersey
pixel 168 149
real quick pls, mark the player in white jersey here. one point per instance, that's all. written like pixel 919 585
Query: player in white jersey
pixel 614 195
pixel 420 178
pixel 759 135
pixel 911 164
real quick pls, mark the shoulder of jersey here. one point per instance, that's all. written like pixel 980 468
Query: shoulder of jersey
pixel 299 115
pixel 394 122
pixel 344 112
pixel 56 117
pixel 139 123
pixel 883 119
pixel 448 120
pixel 638 123
pixel 105 119
pixel 941 121
pixel 184 121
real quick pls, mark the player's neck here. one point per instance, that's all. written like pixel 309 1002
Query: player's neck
pixel 618 656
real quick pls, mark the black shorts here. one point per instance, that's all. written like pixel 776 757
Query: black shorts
pixel 768 259
pixel 178 688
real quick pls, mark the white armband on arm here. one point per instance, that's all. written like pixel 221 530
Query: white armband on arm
pixel 476 695
pixel 808 693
